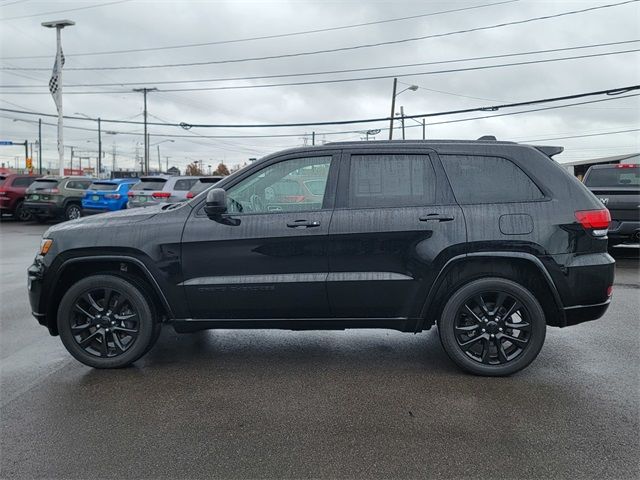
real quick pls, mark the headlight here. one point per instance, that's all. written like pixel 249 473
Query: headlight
pixel 45 245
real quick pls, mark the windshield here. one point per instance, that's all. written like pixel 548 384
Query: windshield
pixel 617 176
pixel 150 184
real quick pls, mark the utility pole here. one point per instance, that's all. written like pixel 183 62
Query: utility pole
pixel 402 120
pixel 159 161
pixel 26 152
pixel 146 138
pixel 113 152
pixel 393 107
pixel 71 162
pixel 424 129
pixel 99 162
pixel 167 158
pixel 40 146
pixel 313 138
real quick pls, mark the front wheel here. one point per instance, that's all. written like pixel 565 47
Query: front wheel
pixel 105 321
pixel 492 327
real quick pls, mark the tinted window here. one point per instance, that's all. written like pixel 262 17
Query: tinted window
pixel 391 181
pixel 103 186
pixel 184 185
pixel 278 187
pixel 23 181
pixel 150 184
pixel 477 179
pixel 43 184
pixel 613 177
pixel 78 184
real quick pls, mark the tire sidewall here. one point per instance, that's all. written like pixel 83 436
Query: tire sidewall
pixel 448 318
pixel 147 326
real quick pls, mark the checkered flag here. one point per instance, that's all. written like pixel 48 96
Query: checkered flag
pixel 54 86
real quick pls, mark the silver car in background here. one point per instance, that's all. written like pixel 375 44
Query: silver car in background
pixel 160 189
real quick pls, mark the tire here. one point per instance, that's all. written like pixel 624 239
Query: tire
pixel 492 327
pixel 21 214
pixel 72 211
pixel 112 337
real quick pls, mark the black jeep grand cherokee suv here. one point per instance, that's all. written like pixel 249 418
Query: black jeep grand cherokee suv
pixel 492 241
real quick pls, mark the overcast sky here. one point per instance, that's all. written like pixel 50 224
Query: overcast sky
pixel 140 24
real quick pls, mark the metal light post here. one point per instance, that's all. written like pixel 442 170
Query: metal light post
pixel 413 88
pixel 158 146
pixel 55 84
pixel 99 162
pixel 146 137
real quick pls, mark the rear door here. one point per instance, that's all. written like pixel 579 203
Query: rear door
pixel 395 225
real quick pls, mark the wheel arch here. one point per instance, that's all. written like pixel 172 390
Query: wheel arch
pixel 523 268
pixel 129 267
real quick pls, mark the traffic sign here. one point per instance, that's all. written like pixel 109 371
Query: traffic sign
pixel 6 142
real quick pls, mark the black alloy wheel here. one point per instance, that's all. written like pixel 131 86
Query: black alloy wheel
pixel 22 214
pixel 492 326
pixel 105 321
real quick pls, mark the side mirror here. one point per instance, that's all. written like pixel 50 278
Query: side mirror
pixel 216 203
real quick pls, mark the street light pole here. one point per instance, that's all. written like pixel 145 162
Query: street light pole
pixel 99 162
pixel 402 120
pixel 55 84
pixel 40 146
pixel 146 138
pixel 393 107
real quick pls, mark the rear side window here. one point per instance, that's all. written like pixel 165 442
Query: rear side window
pixel 185 184
pixel 622 176
pixel 149 184
pixel 391 181
pixel 23 181
pixel 479 179
pixel 78 184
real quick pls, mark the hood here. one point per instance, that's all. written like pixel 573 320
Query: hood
pixel 111 219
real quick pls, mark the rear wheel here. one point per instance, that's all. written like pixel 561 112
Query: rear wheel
pixel 492 327
pixel 105 321
pixel 72 212
pixel 21 214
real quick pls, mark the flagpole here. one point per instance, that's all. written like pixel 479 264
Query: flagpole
pixel 56 79
pixel 59 93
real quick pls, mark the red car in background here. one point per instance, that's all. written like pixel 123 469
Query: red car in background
pixel 12 189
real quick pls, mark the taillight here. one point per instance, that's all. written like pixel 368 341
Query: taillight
pixel 50 190
pixel 131 194
pixel 610 291
pixel 161 194
pixel 595 220
pixel 627 165
pixel 190 195
pixel 112 195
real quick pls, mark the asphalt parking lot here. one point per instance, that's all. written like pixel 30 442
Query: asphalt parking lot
pixel 353 404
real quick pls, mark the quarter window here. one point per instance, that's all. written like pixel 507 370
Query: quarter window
pixel 480 179
pixel 391 181
pixel 282 187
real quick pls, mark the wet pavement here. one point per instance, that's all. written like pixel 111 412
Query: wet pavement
pixel 279 404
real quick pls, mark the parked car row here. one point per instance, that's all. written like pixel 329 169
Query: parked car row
pixel 28 197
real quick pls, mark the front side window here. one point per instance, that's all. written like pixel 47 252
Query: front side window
pixel 391 181
pixel 281 187
pixel 480 179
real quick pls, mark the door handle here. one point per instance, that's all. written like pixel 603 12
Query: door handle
pixel 303 224
pixel 437 217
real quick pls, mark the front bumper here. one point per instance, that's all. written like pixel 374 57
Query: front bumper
pixel 43 209
pixel 35 278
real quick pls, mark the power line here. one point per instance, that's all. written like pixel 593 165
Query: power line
pixel 187 126
pixel 268 37
pixel 64 11
pixel 583 136
pixel 288 135
pixel 340 80
pixel 328 72
pixel 340 49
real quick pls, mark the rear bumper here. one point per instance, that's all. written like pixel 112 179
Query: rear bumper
pixel 585 313
pixel 43 209
pixel 624 230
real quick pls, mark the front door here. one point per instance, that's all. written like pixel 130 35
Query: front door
pixel 267 257
pixel 394 225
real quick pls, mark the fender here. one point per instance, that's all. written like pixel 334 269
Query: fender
pixel 519 255
pixel 119 258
